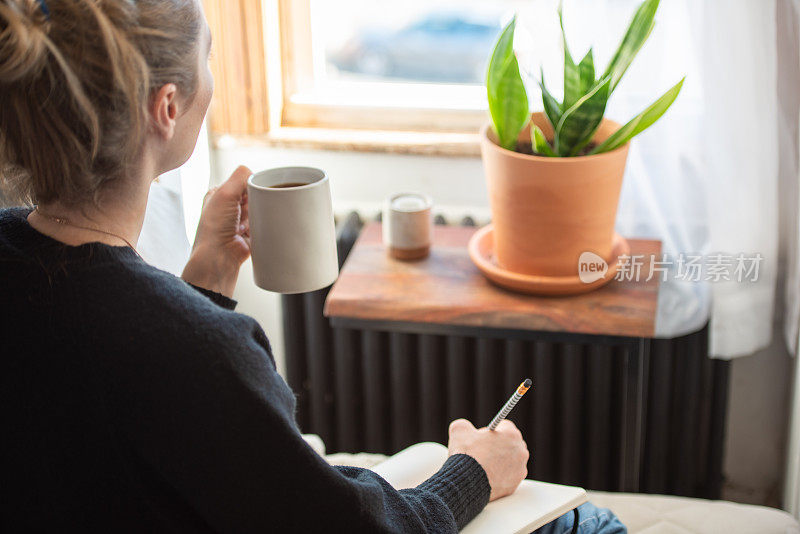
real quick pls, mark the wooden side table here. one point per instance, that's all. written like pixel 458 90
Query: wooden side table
pixel 445 295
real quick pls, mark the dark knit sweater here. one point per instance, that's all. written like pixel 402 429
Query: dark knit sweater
pixel 133 402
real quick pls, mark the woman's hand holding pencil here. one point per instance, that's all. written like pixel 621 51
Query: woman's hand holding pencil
pixel 502 453
pixel 499 448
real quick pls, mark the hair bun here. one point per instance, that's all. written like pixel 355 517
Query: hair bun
pixel 23 41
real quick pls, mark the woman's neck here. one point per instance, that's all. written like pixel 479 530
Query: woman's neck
pixel 116 219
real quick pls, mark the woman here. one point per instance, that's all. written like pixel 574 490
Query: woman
pixel 134 400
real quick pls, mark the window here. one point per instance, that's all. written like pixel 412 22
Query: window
pixel 412 54
pixel 404 76
pixel 384 66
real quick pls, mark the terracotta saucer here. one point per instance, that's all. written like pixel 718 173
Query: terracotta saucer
pixel 481 250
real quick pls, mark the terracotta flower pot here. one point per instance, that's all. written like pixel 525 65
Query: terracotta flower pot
pixel 547 211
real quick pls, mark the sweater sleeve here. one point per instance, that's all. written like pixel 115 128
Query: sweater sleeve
pixel 217 298
pixel 461 484
pixel 199 400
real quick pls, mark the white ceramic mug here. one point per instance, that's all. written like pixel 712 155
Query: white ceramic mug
pixel 292 233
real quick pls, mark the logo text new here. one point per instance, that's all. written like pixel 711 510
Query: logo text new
pixel 592 267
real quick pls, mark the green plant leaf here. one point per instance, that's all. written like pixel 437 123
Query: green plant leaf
pixel 552 108
pixel 508 101
pixel 579 122
pixel 586 69
pixel 641 122
pixel 572 76
pixel 638 31
pixel 539 141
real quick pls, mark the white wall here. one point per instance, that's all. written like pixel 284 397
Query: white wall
pixel 755 434
pixel 363 180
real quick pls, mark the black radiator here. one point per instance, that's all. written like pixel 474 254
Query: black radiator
pixel 379 392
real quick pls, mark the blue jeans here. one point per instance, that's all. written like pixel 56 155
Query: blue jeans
pixel 593 520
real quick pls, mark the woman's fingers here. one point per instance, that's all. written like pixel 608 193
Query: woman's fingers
pixel 460 426
pixel 236 185
pixel 244 216
pixel 245 205
pixel 209 194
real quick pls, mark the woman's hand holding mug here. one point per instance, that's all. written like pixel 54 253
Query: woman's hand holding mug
pixel 222 242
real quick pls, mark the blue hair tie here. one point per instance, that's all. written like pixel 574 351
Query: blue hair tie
pixel 44 8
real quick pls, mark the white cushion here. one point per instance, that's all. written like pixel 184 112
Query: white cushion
pixel 661 514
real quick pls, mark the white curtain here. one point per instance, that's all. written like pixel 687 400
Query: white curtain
pixel 705 178
pixel 789 90
pixel 741 156
pixel 789 125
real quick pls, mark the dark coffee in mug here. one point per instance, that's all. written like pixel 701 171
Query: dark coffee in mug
pixel 287 184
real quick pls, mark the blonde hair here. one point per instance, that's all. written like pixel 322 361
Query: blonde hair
pixel 75 80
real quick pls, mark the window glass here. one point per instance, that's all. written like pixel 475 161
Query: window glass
pixel 412 41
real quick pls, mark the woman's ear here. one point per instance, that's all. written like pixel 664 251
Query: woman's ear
pixel 164 110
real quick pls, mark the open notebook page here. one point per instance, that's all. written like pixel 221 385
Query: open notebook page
pixel 533 504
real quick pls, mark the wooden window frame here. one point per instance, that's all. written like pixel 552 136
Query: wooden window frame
pixel 258 66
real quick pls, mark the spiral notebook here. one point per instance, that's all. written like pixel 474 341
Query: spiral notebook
pixel 531 506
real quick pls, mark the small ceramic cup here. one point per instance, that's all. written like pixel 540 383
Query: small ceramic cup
pixel 408 226
pixel 292 232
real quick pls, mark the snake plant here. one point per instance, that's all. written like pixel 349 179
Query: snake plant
pixel 577 116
